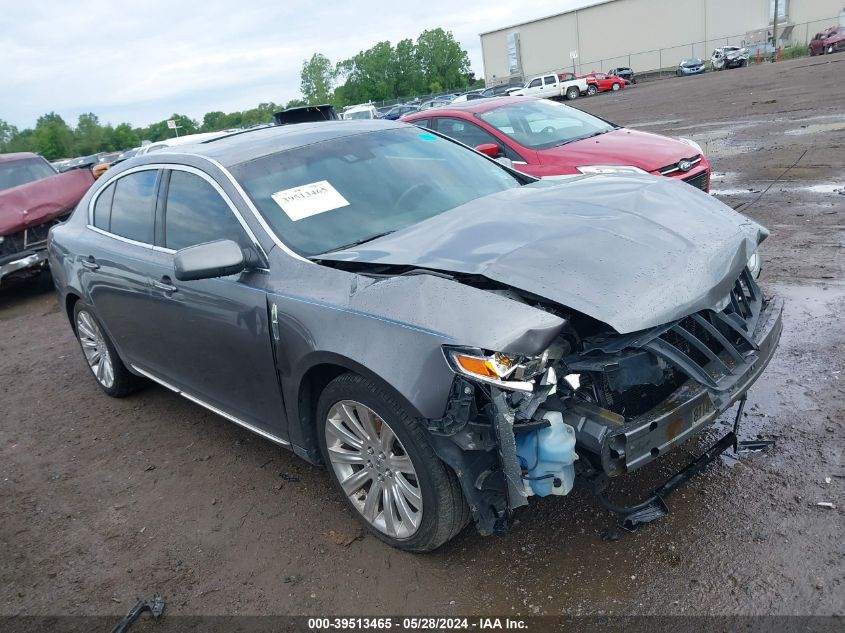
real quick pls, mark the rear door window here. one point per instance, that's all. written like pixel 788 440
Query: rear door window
pixel 550 80
pixel 133 206
pixel 196 213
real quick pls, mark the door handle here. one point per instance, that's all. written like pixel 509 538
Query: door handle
pixel 90 263
pixel 165 284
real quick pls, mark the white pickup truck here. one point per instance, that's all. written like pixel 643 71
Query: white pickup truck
pixel 554 86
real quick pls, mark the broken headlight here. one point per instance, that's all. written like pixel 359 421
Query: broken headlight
pixel 506 371
pixel 610 169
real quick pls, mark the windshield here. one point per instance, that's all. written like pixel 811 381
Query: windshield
pixel 691 62
pixel 543 124
pixel 19 172
pixel 331 194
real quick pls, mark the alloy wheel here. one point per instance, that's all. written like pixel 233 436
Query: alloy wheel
pixel 374 469
pixel 96 351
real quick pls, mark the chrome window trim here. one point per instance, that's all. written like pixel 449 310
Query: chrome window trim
pixel 248 202
pixel 120 238
pixel 212 408
pixel 175 167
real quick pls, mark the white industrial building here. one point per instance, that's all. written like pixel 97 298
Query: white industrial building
pixel 645 34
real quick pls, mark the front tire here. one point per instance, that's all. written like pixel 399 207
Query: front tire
pixel 382 462
pixel 100 355
pixel 615 87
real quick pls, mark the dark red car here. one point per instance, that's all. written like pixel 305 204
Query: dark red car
pixel 546 138
pixel 33 197
pixel 606 82
pixel 831 40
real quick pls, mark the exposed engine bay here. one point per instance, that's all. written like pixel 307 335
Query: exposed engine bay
pixel 596 404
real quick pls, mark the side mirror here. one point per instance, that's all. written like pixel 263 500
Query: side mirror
pixel 209 260
pixel 489 149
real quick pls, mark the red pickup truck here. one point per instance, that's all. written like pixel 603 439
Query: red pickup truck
pixel 33 197
pixel 831 40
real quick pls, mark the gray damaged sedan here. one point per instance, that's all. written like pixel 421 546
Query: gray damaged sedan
pixel 447 335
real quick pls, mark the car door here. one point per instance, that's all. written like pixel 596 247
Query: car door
pixel 535 87
pixel 116 258
pixel 213 338
pixel 550 85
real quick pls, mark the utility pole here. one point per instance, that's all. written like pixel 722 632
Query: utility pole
pixel 775 29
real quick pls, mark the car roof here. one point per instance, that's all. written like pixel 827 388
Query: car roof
pixel 4 158
pixel 247 145
pixel 475 106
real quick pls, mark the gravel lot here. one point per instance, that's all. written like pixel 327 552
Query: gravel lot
pixel 104 500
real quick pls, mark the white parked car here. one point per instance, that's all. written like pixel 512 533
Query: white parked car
pixel 180 140
pixel 366 111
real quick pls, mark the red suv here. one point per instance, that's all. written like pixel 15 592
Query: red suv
pixel 546 138
pixel 831 40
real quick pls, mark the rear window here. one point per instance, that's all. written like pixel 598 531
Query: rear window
pixel 133 207
pixel 20 172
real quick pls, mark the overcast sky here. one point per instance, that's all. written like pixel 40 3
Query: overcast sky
pixel 140 61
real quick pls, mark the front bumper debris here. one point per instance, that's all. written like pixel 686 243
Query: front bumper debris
pixel 640 395
pixel 626 444
pixel 17 262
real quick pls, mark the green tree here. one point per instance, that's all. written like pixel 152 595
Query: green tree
pixel 441 59
pixel 7 133
pixel 124 137
pixel 89 136
pixel 408 78
pixel 159 131
pixel 53 138
pixel 317 78
pixel 213 121
pixel 23 141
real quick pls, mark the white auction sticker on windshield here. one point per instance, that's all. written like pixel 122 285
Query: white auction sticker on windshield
pixel 303 202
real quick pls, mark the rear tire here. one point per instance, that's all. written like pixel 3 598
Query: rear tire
pixel 573 93
pixel 370 443
pixel 591 90
pixel 100 355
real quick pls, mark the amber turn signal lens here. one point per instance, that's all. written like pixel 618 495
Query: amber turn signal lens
pixel 475 365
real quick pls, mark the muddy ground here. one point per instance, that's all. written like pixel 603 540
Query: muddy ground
pixel 104 500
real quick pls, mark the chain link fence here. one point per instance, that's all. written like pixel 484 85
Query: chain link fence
pixel 663 62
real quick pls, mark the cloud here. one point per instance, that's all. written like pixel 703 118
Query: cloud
pixel 142 61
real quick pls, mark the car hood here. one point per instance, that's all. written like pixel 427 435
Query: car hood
pixel 633 251
pixel 40 201
pixel 647 151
